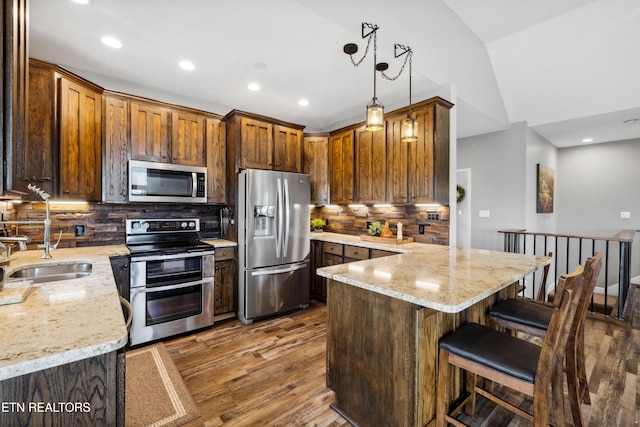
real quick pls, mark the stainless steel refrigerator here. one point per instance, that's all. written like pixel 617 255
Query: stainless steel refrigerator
pixel 273 243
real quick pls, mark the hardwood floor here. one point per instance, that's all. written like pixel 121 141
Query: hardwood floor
pixel 272 373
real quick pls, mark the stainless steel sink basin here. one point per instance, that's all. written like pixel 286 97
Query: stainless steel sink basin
pixel 53 272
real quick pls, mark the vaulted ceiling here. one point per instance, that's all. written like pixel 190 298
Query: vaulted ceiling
pixel 569 68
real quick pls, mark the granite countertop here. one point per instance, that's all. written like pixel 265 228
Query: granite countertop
pixel 67 320
pixel 439 277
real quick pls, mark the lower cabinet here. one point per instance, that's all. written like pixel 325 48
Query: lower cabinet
pixel 81 393
pixel 225 283
pixel 324 254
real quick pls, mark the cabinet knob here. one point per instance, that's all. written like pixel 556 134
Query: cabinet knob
pixel 67 191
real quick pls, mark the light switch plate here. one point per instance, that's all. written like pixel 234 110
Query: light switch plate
pixel 484 214
pixel 625 214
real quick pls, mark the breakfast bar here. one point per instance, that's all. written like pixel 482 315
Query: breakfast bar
pixel 385 317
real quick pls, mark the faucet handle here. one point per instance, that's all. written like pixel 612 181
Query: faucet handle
pixel 56 245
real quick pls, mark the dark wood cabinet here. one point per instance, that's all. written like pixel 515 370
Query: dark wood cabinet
pixel 35 161
pixel 216 147
pixel 287 146
pixel 116 149
pixel 225 283
pixel 315 162
pixel 341 167
pixel 370 166
pixel 150 132
pixel 188 139
pixel 256 144
pixel 120 267
pixel 80 141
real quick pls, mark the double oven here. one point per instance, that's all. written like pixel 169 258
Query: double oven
pixel 171 278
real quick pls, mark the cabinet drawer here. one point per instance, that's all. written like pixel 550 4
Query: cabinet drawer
pixel 378 253
pixel 224 254
pixel 356 252
pixel 332 248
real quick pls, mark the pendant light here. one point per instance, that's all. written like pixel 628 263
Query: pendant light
pixel 409 126
pixel 375 110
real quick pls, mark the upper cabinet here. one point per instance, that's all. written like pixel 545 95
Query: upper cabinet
pixel 341 167
pixel 116 149
pixel 287 145
pixel 418 172
pixel 150 132
pixel 258 142
pixel 80 141
pixel 216 141
pixel 187 139
pixel 370 166
pixel 315 162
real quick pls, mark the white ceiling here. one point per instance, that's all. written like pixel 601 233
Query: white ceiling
pixel 569 68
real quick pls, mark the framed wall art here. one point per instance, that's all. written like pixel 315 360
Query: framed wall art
pixel 544 189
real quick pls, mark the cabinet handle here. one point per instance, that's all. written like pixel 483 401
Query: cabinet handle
pixel 67 191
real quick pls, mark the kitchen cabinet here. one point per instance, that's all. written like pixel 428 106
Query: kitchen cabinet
pixel 256 138
pixel 80 141
pixel 370 166
pixel 150 132
pixel 120 267
pixel 315 162
pixel 354 253
pixel 13 93
pixel 116 149
pixel 418 172
pixel 224 283
pixel 287 146
pixel 341 158
pixel 216 148
pixel 187 139
pixel 34 162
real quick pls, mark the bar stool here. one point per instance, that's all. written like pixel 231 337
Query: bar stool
pixel 532 317
pixel 511 361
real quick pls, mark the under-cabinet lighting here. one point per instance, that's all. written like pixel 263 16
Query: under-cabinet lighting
pixel 383 206
pixel 332 206
pixel 357 206
pixel 426 205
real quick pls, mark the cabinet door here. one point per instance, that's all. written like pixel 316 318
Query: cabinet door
pixel 421 158
pixel 116 150
pixel 341 168
pixel 287 145
pixel 150 133
pixel 34 161
pixel 256 144
pixel 224 281
pixel 370 169
pixel 397 162
pixel 216 132
pixel 80 141
pixel 315 162
pixel 187 139
pixel 317 290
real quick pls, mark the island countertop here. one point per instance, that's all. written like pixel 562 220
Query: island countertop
pixel 439 277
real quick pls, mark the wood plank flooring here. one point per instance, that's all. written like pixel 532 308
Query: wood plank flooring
pixel 272 373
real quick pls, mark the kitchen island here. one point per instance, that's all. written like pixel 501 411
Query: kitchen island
pixel 385 317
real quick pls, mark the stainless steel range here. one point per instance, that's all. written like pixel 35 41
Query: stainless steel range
pixel 171 284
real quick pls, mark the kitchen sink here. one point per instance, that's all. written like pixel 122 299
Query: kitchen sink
pixel 53 272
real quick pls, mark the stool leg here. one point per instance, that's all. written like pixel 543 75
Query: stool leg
pixel 573 387
pixel 442 405
pixel 558 396
pixel 583 384
pixel 471 381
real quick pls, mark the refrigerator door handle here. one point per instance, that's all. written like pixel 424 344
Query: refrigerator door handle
pixel 287 214
pixel 280 270
pixel 279 207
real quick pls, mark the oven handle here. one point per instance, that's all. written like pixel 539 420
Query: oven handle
pixel 182 254
pixel 170 287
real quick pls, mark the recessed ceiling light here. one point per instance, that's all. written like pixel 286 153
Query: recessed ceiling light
pixel 303 102
pixel 80 1
pixel 253 86
pixel 112 42
pixel 187 65
pixel 587 140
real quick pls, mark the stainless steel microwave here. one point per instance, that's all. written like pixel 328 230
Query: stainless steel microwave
pixel 166 183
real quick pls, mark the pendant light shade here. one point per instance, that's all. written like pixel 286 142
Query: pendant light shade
pixel 375 116
pixel 409 129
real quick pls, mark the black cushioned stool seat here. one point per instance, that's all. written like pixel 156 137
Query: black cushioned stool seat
pixel 497 350
pixel 525 312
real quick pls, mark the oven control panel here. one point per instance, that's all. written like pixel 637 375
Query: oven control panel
pixel 148 226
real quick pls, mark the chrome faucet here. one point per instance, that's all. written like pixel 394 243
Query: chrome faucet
pixel 20 240
pixel 47 224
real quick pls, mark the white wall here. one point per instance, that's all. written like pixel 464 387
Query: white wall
pixel 498 164
pixel 541 151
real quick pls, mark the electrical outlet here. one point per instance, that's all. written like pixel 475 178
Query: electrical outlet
pixel 421 229
pixel 368 224
pixel 433 216
pixel 484 214
pixel 625 215
pixel 79 230
pixel 326 222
